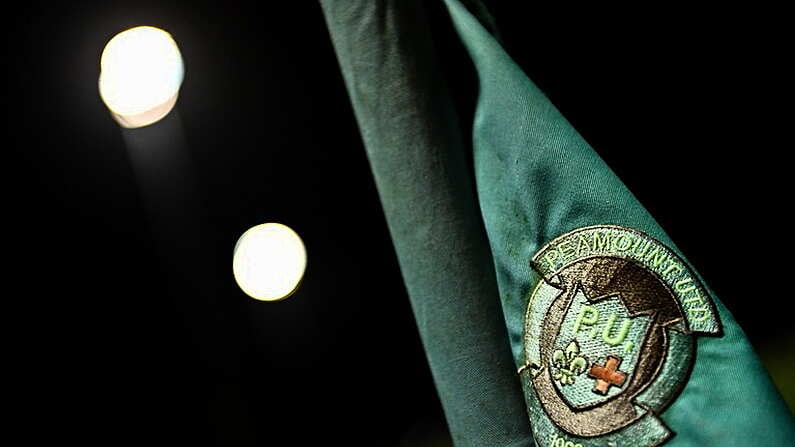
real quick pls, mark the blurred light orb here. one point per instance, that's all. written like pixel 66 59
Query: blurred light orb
pixel 269 262
pixel 141 71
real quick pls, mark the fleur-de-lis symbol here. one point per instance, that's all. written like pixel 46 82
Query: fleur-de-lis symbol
pixel 566 365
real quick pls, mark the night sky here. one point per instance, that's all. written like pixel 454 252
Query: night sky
pixel 126 322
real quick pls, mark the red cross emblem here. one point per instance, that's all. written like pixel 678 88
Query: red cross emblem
pixel 607 376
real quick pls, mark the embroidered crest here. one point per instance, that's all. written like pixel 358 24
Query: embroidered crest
pixel 609 337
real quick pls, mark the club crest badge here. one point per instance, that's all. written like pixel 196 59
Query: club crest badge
pixel 609 338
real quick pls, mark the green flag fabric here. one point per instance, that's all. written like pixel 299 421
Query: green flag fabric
pixel 537 180
pixel 559 313
pixel 414 146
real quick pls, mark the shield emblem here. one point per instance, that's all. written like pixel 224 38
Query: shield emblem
pixel 608 337
pixel 596 350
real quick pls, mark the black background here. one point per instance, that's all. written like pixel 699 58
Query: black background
pixel 123 329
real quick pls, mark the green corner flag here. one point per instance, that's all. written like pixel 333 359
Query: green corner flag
pixel 558 312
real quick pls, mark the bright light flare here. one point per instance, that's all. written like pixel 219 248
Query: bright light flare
pixel 269 262
pixel 141 71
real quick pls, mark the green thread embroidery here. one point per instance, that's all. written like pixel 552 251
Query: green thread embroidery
pixel 587 316
pixel 567 365
pixel 609 337
pixel 615 340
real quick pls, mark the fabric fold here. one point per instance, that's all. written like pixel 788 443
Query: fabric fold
pixel 414 146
